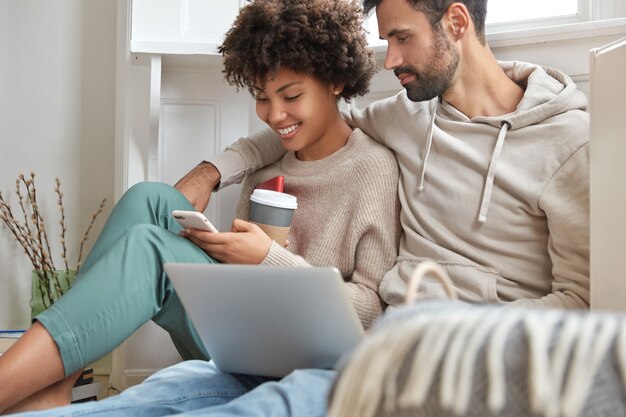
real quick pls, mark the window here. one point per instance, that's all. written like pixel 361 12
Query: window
pixel 503 15
pixel 507 16
pixel 505 11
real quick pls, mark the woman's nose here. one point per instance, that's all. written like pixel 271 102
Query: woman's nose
pixel 277 114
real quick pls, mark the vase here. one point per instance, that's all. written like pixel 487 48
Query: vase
pixel 47 287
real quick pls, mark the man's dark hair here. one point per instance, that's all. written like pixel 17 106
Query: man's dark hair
pixel 321 38
pixel 435 9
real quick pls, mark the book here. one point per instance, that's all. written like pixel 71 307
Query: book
pixel 85 389
pixel 85 393
pixel 7 338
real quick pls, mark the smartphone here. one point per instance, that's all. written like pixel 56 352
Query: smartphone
pixel 193 220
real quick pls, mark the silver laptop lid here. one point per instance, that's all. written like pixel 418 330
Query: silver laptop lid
pixel 264 320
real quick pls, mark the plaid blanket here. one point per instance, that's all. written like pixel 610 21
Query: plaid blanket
pixel 448 358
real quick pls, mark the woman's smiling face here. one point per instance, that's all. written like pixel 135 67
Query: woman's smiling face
pixel 301 110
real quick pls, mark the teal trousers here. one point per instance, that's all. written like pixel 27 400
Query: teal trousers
pixel 122 283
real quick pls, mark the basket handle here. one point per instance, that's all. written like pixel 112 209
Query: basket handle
pixel 426 268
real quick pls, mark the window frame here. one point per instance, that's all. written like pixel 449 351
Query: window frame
pixel 602 16
pixel 588 10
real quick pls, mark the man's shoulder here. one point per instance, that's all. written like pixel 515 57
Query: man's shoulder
pixel 371 157
pixel 385 105
pixel 400 101
pixel 571 131
pixel 368 148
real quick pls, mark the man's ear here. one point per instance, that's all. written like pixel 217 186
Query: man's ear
pixel 458 18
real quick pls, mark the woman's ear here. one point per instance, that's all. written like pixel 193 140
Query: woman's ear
pixel 337 89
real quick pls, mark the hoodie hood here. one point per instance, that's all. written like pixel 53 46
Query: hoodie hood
pixel 548 92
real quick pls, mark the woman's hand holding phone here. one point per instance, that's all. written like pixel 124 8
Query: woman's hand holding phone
pixel 246 243
pixel 193 220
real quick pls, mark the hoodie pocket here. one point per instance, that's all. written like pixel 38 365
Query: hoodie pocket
pixel 472 282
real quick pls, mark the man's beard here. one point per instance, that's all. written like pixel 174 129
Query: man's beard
pixel 437 75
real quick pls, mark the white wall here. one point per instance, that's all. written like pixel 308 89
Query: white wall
pixel 57 115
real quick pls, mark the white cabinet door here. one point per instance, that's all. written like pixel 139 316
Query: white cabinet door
pixel 181 26
pixel 608 196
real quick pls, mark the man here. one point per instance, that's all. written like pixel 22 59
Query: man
pixel 494 187
pixel 493 160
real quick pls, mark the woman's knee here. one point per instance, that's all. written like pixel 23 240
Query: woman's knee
pixel 147 233
pixel 147 190
pixel 147 201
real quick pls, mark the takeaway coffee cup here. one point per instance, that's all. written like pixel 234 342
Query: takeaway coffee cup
pixel 272 211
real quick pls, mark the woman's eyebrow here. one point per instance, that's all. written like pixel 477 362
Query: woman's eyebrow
pixel 286 86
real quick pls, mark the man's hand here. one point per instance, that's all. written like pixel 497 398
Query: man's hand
pixel 198 184
pixel 246 243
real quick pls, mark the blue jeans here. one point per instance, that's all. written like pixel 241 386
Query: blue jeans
pixel 194 388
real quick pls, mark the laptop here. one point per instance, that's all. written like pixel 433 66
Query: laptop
pixel 267 320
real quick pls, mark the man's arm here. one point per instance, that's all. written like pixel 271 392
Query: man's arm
pixel 263 148
pixel 248 155
pixel 376 118
pixel 566 204
pixel 245 156
pixel 198 184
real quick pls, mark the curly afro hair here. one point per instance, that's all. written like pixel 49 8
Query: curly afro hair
pixel 320 38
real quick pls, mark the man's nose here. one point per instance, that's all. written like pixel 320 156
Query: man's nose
pixel 393 59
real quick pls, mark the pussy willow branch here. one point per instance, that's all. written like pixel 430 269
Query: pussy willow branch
pixel 13 226
pixel 86 236
pixel 19 234
pixel 43 239
pixel 39 223
pixel 18 191
pixel 25 229
pixel 46 261
pixel 37 243
pixel 57 189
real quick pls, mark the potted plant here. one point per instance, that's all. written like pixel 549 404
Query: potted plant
pixel 28 227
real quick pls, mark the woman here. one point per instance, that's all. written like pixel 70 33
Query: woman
pixel 297 58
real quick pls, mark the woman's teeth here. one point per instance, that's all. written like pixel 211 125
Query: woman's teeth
pixel 287 130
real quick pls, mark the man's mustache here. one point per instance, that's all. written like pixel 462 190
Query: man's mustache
pixel 404 70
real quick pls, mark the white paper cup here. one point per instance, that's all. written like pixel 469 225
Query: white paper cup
pixel 273 211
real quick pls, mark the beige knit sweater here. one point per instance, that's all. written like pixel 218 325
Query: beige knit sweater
pixel 347 216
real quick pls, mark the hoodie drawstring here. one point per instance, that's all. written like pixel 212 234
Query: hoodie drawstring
pixel 491 173
pixel 430 144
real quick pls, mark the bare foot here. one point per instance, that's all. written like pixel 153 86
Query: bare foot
pixel 55 395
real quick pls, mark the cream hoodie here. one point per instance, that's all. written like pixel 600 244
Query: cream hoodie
pixel 502 203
